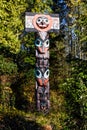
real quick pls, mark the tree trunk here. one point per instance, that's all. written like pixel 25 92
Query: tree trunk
pixel 5 91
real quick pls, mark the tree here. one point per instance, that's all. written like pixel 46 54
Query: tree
pixel 11 23
pixel 12 19
pixel 75 85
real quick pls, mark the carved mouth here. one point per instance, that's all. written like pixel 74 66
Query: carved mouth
pixel 42 25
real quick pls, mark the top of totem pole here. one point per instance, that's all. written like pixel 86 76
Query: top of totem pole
pixel 41 22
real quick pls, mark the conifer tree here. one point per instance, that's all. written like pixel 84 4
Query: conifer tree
pixel 11 23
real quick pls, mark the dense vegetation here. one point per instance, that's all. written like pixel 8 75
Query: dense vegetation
pixel 68 76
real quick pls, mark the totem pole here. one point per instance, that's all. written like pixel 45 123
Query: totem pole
pixel 42 24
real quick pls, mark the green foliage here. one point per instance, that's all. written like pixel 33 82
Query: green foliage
pixel 7 67
pixel 11 23
pixel 15 119
pixel 75 88
pixel 42 6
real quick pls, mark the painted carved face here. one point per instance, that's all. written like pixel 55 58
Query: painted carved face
pixel 42 77
pixel 42 46
pixel 42 22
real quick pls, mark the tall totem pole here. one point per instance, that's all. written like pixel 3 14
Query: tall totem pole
pixel 42 24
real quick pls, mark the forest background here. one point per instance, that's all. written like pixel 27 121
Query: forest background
pixel 68 67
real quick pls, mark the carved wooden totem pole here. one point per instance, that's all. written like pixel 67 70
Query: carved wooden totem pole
pixel 42 24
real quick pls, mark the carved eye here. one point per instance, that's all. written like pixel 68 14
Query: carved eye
pixel 47 43
pixel 46 74
pixel 39 20
pixel 46 20
pixel 38 73
pixel 38 43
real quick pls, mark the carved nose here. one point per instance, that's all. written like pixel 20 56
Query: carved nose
pixel 41 50
pixel 42 23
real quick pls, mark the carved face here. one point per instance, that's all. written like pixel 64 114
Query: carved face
pixel 42 93
pixel 42 46
pixel 43 105
pixel 43 98
pixel 42 22
pixel 42 77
